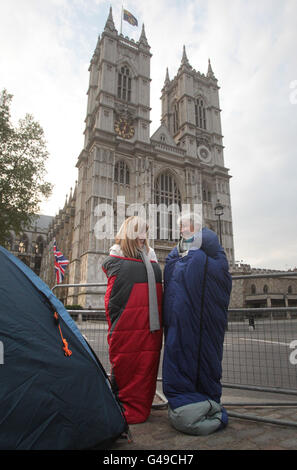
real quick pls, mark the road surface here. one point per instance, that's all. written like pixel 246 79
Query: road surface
pixel 260 356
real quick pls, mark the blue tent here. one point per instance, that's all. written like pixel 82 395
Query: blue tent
pixel 54 393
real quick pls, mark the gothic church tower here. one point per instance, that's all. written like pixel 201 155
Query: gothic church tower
pixel 191 113
pixel 116 148
pixel 181 163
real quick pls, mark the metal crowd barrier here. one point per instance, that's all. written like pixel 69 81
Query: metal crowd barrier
pixel 258 349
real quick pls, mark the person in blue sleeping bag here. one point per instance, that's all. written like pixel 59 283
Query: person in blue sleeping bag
pixel 197 288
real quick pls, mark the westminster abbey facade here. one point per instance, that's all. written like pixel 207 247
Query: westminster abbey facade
pixel 182 163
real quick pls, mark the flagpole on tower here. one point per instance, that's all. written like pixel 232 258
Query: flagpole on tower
pixel 122 19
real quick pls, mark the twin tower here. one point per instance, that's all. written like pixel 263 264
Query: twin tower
pixel 122 166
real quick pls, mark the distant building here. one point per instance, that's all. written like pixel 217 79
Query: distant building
pixel 30 244
pixel 264 292
pixel 60 229
pixel 181 163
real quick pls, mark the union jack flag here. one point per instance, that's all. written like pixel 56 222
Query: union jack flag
pixel 60 264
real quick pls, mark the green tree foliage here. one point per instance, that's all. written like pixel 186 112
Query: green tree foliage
pixel 23 155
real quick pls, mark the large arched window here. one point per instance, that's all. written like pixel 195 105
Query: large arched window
pixel 200 113
pixel 167 198
pixel 121 173
pixel 124 84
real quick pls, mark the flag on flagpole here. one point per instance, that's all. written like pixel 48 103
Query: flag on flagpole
pixel 61 264
pixel 130 18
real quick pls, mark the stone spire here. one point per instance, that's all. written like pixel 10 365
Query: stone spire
pixel 96 51
pixel 184 61
pixel 142 39
pixel 210 73
pixel 167 79
pixel 109 26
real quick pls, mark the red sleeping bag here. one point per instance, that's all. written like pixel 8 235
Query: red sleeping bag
pixel 134 351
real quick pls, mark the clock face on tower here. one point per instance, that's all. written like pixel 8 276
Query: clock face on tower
pixel 123 128
pixel 204 154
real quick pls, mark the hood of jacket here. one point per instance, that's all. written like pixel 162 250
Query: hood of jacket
pixel 116 250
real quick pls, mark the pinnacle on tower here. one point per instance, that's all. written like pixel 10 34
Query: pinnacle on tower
pixel 184 61
pixel 109 26
pixel 143 39
pixel 98 43
pixel 167 79
pixel 96 51
pixel 184 57
pixel 210 73
pixel 75 190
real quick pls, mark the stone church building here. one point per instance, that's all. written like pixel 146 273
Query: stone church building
pixel 182 163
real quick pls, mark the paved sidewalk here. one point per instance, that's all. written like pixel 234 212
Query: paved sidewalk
pixel 240 434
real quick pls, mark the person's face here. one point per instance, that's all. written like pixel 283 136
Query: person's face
pixel 187 229
pixel 141 240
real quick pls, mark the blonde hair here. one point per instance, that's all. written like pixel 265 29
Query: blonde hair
pixel 127 236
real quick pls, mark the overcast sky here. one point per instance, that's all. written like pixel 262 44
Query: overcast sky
pixel 45 51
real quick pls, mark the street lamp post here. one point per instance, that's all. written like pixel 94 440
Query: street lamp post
pixel 219 211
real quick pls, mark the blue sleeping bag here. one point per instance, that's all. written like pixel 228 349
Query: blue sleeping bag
pixel 197 290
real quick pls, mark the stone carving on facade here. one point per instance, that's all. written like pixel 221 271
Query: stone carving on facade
pixel 126 112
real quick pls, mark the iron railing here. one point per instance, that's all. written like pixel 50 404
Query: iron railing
pixel 257 348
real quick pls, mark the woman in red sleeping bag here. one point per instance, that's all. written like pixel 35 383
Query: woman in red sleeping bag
pixel 133 303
